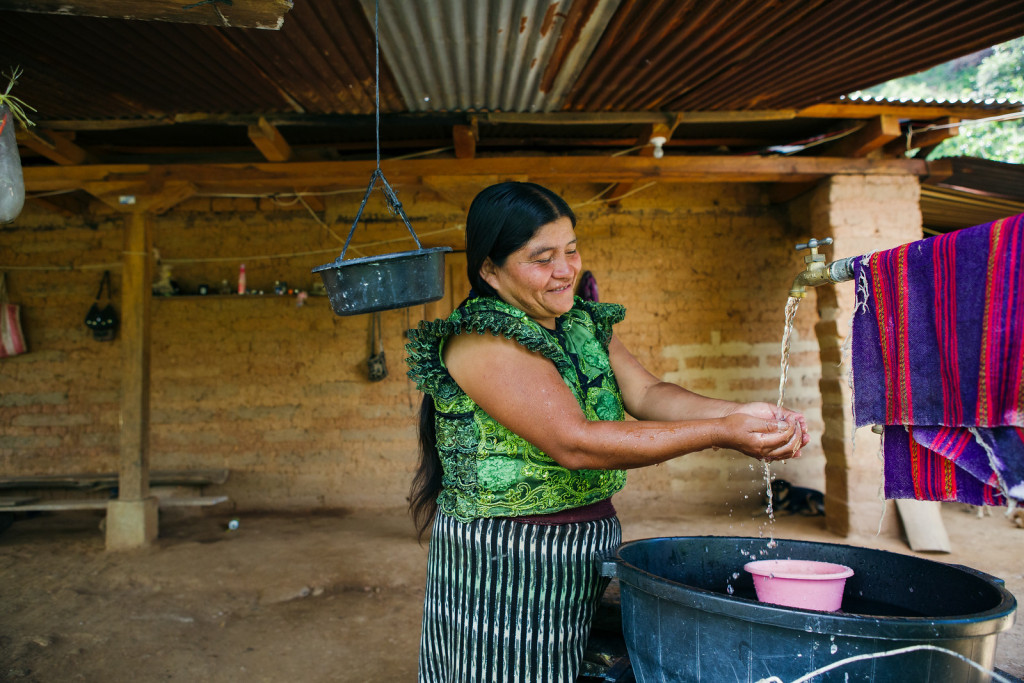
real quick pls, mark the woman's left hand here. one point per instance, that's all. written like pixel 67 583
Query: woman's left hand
pixel 769 412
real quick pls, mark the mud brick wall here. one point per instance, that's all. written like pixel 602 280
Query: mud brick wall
pixel 863 215
pixel 279 394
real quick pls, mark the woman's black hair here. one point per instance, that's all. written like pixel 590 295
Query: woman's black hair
pixel 504 217
pixel 501 219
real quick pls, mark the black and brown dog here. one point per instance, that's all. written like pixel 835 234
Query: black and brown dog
pixel 796 499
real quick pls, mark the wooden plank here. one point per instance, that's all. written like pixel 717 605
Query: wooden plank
pixel 265 14
pixel 193 501
pixel 14 501
pixel 464 138
pixel 55 146
pixel 101 504
pixel 136 294
pixel 875 134
pixel 922 521
pixel 109 479
pixel 57 505
pixel 280 177
pixel 867 110
pixel 269 141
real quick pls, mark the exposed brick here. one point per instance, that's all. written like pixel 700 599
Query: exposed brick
pixel 279 394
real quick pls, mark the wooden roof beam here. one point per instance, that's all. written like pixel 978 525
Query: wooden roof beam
pixel 875 134
pixel 269 141
pixel 464 138
pixel 281 177
pixel 266 14
pixel 57 147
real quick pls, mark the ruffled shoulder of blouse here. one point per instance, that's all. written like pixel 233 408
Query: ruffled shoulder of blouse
pixel 479 315
pixel 601 315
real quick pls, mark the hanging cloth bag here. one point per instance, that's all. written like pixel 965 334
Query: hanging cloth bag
pixel 377 365
pixel 102 320
pixel 12 339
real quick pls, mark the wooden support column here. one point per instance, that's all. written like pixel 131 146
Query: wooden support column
pixel 132 518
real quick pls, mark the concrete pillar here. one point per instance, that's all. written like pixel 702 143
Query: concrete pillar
pixel 132 523
pixel 862 214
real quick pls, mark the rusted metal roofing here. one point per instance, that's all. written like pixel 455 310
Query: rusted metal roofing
pixel 749 54
pixel 508 55
pixel 493 55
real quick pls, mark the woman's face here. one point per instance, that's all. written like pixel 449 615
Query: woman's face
pixel 539 278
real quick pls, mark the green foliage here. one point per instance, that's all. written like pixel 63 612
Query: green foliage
pixel 993 74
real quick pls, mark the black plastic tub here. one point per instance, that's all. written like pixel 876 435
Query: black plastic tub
pixel 689 613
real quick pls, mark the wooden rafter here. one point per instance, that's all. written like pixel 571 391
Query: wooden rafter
pixel 873 136
pixel 266 14
pixel 146 180
pixel 269 141
pixel 55 146
pixel 465 137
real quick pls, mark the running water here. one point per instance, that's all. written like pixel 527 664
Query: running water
pixel 791 306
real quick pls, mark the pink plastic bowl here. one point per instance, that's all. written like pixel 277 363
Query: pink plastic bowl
pixel 800 583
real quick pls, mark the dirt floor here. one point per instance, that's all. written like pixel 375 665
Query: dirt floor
pixel 310 597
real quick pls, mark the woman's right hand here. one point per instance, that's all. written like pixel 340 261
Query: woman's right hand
pixel 763 439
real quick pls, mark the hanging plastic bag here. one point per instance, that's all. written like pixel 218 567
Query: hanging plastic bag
pixel 12 339
pixel 12 184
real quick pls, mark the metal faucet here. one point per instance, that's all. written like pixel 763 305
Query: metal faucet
pixel 818 272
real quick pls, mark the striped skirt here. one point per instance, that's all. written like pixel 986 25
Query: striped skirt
pixel 511 602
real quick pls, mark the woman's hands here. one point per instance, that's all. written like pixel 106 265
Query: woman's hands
pixel 766 432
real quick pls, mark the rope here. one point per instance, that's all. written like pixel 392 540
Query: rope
pixel 888 653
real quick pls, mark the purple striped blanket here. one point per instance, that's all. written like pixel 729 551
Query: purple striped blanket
pixel 938 359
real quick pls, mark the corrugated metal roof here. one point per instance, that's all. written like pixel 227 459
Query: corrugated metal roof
pixel 495 55
pixel 749 54
pixel 508 55
pixel 988 103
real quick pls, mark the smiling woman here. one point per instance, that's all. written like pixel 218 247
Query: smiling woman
pixel 524 441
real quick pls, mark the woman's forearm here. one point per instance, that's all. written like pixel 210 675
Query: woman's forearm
pixel 669 402
pixel 627 445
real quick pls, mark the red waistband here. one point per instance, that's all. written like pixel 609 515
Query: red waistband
pixel 603 509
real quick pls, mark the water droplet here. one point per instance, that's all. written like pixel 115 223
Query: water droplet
pixel 911 589
pixel 735 575
pixel 834 649
pixel 729 588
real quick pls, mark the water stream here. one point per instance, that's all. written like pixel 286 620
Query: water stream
pixel 791 307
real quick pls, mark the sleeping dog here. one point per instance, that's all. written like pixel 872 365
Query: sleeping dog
pixel 796 499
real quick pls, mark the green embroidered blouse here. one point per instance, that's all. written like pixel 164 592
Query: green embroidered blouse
pixel 488 471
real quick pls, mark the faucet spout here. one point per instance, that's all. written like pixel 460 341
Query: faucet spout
pixel 817 271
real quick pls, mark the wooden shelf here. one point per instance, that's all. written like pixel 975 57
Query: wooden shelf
pixel 287 297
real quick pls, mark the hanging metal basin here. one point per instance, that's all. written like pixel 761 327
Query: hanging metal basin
pixel 382 283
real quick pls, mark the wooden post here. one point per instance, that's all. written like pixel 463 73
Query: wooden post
pixel 132 518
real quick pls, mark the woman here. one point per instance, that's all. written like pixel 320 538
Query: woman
pixel 524 442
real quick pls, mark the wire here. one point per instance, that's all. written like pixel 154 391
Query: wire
pixel 597 198
pixel 317 218
pixel 233 259
pixel 973 122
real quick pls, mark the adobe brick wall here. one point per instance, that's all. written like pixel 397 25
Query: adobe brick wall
pixel 863 214
pixel 279 394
